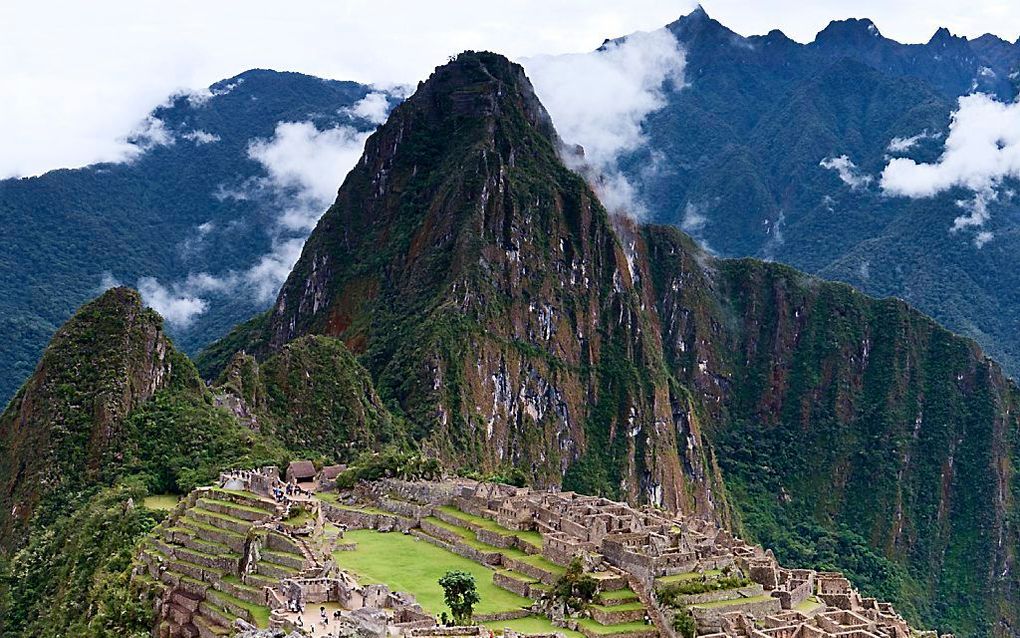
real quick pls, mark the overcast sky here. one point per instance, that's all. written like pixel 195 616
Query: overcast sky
pixel 78 76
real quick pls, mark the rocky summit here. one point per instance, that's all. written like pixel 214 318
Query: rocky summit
pixel 468 307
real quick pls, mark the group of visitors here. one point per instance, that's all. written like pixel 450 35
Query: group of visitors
pixel 288 490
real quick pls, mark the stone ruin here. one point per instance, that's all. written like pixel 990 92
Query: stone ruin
pixel 222 548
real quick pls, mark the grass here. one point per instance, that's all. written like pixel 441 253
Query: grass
pixel 299 519
pixel 530 537
pixel 232 505
pixel 332 499
pixel 808 604
pixel 626 627
pixel 733 601
pixel 537 560
pixel 617 594
pixel 679 578
pixel 161 501
pixel 405 563
pixel 258 612
pixel 531 625
pixel 624 607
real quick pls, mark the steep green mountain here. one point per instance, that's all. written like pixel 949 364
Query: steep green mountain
pixel 314 397
pixel 110 397
pixel 113 413
pixel 738 150
pixel 510 320
pixel 192 204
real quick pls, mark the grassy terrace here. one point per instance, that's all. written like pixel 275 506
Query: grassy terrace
pixel 258 612
pixel 624 607
pixel 617 594
pixel 532 538
pixel 331 498
pixel 469 539
pixel 161 501
pixel 299 519
pixel 680 578
pixel 808 605
pixel 531 625
pixel 626 627
pixel 733 601
pixel 405 563
pixel 237 506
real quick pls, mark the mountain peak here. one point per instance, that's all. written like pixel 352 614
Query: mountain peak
pixel 943 37
pixel 482 84
pixel 851 31
pixel 697 24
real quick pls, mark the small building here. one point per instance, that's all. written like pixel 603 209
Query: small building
pixel 300 472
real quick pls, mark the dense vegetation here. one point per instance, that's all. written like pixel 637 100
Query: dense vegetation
pixel 112 413
pixel 71 577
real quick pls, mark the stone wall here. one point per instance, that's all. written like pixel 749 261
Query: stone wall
pixel 512 614
pixel 708 615
pixel 449 631
pixel 509 583
pixel 422 492
pixel 750 591
pixel 491 559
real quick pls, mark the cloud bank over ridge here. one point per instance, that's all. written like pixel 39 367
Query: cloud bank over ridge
pixel 598 100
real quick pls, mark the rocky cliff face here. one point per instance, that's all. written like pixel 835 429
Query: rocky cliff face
pixel 512 321
pixel 66 420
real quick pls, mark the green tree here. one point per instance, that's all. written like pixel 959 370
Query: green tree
pixel 575 589
pixel 684 624
pixel 460 594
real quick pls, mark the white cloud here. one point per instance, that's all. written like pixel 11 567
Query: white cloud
pixel 373 108
pixel 178 308
pixel 200 137
pixel 105 65
pixel 305 167
pixel 848 172
pixel 981 150
pixel 599 100
pixel 693 220
pixel 983 238
pixel 308 161
pixel 903 144
pixel 108 281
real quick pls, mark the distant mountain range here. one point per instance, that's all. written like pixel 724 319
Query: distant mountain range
pixel 748 153
pixel 749 157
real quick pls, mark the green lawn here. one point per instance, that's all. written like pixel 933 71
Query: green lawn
pixel 531 625
pixel 622 607
pixel 405 563
pixel 161 501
